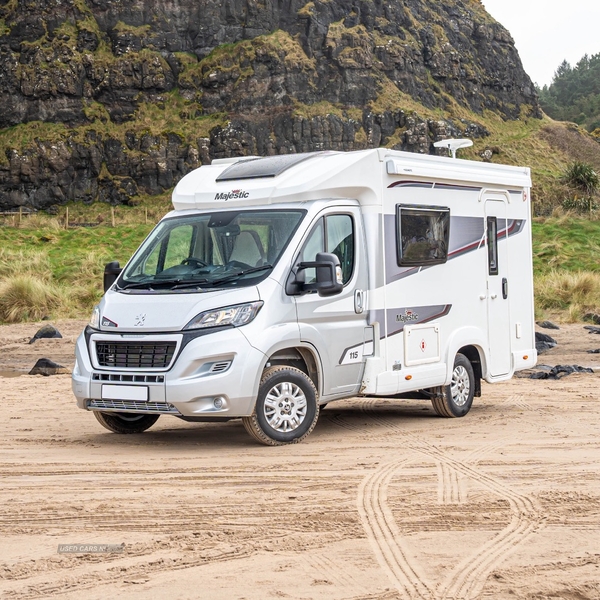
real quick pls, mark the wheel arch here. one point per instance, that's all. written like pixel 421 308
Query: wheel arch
pixel 471 342
pixel 301 357
pixel 472 353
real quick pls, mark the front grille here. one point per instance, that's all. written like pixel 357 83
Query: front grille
pixel 133 405
pixel 149 355
pixel 129 378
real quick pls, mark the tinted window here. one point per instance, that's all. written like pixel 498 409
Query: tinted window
pixel 492 244
pixel 422 235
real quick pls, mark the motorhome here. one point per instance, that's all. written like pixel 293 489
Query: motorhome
pixel 280 284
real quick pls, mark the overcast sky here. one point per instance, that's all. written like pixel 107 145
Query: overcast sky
pixel 546 32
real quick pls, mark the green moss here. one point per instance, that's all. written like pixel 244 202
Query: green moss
pixel 138 31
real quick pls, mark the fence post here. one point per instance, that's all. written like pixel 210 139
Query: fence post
pixel 20 214
pixel 112 215
pixel 146 215
pixel 67 218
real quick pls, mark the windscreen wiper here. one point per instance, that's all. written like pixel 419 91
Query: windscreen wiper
pixel 240 273
pixel 151 284
pixel 189 284
pixel 137 284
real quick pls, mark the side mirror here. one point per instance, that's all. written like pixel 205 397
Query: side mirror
pixel 111 271
pixel 329 276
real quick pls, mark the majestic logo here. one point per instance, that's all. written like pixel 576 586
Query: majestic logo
pixel 140 320
pixel 408 316
pixel 232 195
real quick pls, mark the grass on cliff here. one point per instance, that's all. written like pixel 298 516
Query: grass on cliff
pixel 46 270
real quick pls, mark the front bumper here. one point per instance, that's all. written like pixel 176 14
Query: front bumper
pixel 214 375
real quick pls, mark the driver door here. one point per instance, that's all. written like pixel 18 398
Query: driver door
pixel 337 325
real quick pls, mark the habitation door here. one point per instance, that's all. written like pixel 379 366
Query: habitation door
pixel 498 286
pixel 337 325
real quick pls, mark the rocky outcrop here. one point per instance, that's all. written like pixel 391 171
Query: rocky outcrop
pixel 106 100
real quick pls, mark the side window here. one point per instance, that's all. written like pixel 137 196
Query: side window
pixel 340 241
pixel 422 235
pixel 333 234
pixel 492 244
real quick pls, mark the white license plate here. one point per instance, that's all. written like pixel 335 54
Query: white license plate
pixel 125 392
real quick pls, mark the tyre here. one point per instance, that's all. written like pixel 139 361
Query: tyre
pixel 456 399
pixel 125 422
pixel 286 408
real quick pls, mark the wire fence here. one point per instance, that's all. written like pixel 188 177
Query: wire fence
pixel 66 218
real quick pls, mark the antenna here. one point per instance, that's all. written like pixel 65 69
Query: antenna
pixel 453 145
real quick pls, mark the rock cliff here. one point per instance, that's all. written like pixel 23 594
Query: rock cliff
pixel 108 100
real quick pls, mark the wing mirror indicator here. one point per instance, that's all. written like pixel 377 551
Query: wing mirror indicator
pixel 329 276
pixel 111 272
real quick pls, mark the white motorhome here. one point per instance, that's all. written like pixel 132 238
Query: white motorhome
pixel 280 284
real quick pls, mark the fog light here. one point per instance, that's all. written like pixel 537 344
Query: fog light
pixel 218 402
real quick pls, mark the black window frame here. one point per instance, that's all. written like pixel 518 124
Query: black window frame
pixel 491 233
pixel 402 260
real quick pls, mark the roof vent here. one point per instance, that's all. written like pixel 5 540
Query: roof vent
pixel 453 145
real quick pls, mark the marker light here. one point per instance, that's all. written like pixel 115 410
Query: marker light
pixel 95 318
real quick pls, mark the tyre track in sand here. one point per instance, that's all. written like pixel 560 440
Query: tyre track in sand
pixel 384 535
pixel 469 577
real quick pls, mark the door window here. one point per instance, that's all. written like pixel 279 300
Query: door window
pixel 333 234
pixel 492 244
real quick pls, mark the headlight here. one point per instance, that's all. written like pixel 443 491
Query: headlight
pixel 95 318
pixel 240 314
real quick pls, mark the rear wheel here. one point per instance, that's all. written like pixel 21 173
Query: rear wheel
pixel 456 399
pixel 286 407
pixel 125 422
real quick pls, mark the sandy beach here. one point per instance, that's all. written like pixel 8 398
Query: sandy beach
pixel 384 500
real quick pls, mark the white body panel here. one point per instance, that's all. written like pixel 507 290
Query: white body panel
pixel 392 329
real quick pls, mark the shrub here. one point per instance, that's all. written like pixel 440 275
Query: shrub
pixel 582 176
pixel 587 204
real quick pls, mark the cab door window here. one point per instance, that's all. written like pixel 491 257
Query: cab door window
pixel 333 234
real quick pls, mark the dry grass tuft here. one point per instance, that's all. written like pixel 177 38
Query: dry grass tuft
pixel 570 294
pixel 25 262
pixel 27 298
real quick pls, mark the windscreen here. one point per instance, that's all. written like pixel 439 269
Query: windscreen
pixel 225 249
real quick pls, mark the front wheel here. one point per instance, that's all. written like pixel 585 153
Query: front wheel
pixel 125 422
pixel 456 399
pixel 286 407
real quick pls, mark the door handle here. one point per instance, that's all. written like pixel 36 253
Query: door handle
pixel 482 296
pixel 359 301
pixel 504 288
pixel 493 296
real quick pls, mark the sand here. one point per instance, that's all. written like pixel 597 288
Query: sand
pixel 384 500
